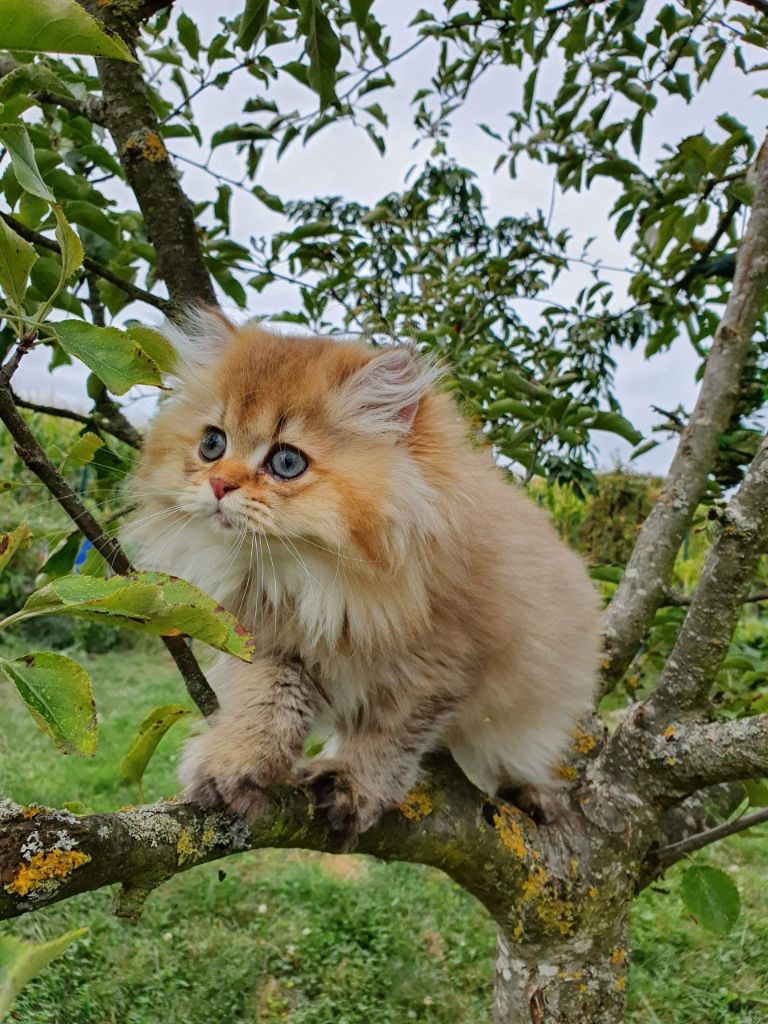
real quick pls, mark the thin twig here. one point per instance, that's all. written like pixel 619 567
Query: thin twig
pixel 93 266
pixel 668 855
pixel 11 365
pixel 102 418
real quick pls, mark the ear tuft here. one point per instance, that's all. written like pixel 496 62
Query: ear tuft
pixel 385 394
pixel 199 337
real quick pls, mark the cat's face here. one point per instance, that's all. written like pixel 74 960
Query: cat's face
pixel 297 438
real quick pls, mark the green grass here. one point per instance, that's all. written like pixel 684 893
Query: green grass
pixel 313 939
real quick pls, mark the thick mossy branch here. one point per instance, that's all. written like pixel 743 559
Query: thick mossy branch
pixel 541 882
pixel 131 121
pixel 442 823
pixel 645 580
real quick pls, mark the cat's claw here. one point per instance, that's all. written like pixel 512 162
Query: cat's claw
pixel 347 807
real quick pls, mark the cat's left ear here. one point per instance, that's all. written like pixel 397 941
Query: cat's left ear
pixel 385 394
pixel 200 337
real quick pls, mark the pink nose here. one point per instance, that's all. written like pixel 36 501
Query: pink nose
pixel 220 487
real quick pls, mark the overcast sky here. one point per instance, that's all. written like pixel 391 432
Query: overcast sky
pixel 341 160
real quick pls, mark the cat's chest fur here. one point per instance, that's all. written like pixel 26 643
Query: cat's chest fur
pixel 352 633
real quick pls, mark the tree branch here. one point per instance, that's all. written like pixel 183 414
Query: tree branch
pixel 33 456
pixel 705 635
pixel 643 584
pixel 120 427
pixel 130 119
pixel 668 855
pixel 90 108
pixel 691 756
pixel 47 856
pixel 93 266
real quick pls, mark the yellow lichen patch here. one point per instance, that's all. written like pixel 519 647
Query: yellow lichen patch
pixel 556 913
pixel 154 148
pixel 669 732
pixel 632 682
pixel 190 848
pixel 415 805
pixel 567 771
pixel 517 931
pixel 671 761
pixel 146 144
pixel 510 831
pixel 32 811
pixel 583 988
pixel 606 664
pixel 621 983
pixel 44 870
pixel 618 956
pixel 186 848
pixel 583 741
pixel 534 884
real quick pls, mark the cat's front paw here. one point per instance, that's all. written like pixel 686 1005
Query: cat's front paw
pixel 348 807
pixel 218 768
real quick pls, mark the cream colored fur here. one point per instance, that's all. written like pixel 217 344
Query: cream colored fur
pixel 432 602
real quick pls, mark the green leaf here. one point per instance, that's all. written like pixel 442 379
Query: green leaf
pixel 157 723
pixel 268 198
pixel 189 37
pixel 114 356
pixel 240 133
pixel 509 407
pixel 360 9
pixel 323 49
pixel 21 151
pixel 56 26
pixel 11 542
pixel 58 693
pixel 711 897
pixel 155 344
pixel 72 254
pixel 89 216
pixel 615 423
pixel 18 88
pixel 17 257
pixel 62 558
pixel 151 602
pixel 82 451
pixel 606 573
pixel 757 792
pixel 20 961
pixel 252 22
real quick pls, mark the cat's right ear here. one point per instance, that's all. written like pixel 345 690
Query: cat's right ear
pixel 200 337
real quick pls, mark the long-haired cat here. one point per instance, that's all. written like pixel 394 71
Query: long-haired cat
pixel 326 493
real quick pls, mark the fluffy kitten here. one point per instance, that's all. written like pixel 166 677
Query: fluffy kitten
pixel 325 492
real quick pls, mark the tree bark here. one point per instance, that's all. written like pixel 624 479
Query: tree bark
pixel 581 980
pixel 645 580
pixel 131 121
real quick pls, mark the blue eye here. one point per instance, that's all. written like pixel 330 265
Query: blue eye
pixel 286 463
pixel 213 444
